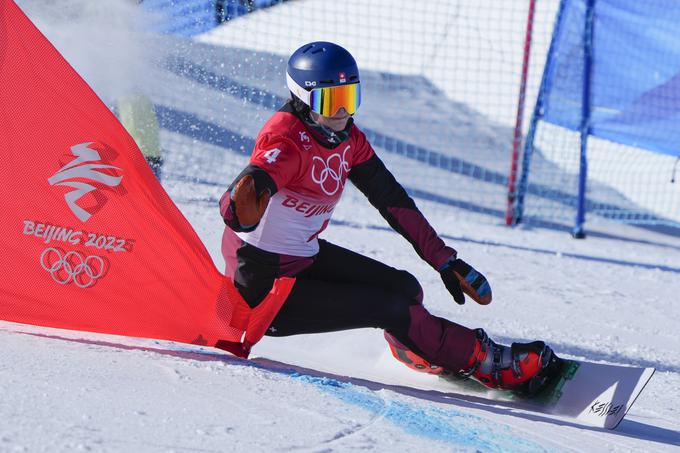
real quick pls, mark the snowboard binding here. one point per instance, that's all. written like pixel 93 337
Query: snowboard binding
pixel 523 368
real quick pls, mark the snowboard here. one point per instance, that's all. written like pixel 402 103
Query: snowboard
pixel 592 393
pixel 586 393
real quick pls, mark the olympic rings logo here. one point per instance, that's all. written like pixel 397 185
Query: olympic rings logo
pixel 72 267
pixel 334 176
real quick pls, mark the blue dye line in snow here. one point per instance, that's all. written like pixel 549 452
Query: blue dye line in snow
pixel 190 125
pixel 445 425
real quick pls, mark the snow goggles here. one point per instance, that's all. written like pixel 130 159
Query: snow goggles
pixel 327 101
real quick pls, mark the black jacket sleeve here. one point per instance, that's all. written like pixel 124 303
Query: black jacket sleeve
pixel 383 191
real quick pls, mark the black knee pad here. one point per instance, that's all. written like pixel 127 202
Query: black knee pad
pixel 409 286
pixel 395 314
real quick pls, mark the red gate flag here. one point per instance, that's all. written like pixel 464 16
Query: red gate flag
pixel 90 241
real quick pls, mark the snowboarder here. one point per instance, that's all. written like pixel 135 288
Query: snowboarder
pixel 278 205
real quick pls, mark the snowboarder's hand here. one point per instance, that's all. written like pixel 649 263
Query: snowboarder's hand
pixel 459 277
pixel 249 208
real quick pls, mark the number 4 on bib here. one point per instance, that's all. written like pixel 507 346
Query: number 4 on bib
pixel 271 155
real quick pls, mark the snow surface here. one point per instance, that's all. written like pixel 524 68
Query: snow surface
pixel 612 298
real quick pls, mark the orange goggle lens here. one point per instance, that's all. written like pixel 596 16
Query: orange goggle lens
pixel 327 101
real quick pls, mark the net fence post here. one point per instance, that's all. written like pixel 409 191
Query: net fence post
pixel 523 184
pixel 578 231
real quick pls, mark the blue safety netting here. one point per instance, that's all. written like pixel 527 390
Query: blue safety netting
pixel 193 17
pixel 635 75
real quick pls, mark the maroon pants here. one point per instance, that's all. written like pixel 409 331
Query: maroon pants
pixel 344 290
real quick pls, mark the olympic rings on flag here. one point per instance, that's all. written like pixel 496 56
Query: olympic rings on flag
pixel 72 267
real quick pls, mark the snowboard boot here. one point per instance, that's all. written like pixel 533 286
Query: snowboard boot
pixel 524 368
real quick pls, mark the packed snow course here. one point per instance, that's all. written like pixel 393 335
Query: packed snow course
pixel 612 298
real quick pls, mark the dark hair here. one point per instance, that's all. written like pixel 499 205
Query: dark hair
pixel 301 109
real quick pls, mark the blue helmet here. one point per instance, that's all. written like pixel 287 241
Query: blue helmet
pixel 320 65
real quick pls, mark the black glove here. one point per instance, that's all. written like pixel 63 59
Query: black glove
pixel 459 277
